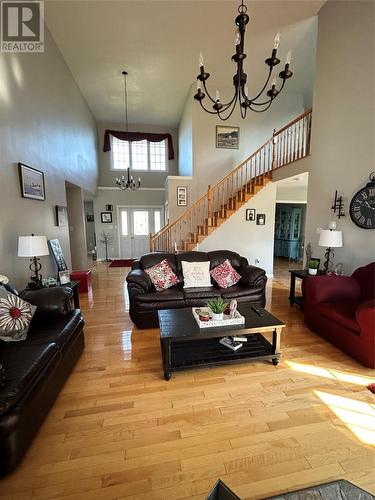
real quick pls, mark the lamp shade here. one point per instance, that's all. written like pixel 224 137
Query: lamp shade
pixel 328 238
pixel 32 246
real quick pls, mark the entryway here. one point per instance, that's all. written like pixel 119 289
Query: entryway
pixel 134 228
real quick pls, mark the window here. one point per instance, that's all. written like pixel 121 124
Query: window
pixel 157 217
pixel 124 223
pixel 140 222
pixel 139 155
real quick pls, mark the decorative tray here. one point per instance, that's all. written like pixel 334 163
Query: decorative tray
pixel 227 321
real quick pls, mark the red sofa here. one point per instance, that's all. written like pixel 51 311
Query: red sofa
pixel 342 310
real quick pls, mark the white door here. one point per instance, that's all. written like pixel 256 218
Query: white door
pixel 135 226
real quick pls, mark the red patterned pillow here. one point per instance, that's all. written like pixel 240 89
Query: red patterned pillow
pixel 225 275
pixel 162 275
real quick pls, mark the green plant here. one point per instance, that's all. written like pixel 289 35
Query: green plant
pixel 217 305
pixel 313 264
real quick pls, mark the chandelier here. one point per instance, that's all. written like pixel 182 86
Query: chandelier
pixel 127 183
pixel 260 102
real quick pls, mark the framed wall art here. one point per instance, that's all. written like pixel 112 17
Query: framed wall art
pixel 181 196
pixel 227 137
pixel 61 216
pixel 250 214
pixel 261 219
pixel 31 182
pixel 106 217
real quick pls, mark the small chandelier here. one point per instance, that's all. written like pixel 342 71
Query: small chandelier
pixel 260 102
pixel 127 183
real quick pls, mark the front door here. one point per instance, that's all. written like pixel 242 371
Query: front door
pixel 135 226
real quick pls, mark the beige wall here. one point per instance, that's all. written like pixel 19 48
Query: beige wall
pixel 247 238
pixel 77 230
pixel 45 123
pixel 343 124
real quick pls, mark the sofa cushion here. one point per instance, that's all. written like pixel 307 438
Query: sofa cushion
pixel 20 376
pixel 342 312
pixel 207 292
pixel 150 259
pixel 167 295
pixel 15 316
pixel 217 257
pixel 162 275
pixel 239 290
pixel 225 275
pixel 196 274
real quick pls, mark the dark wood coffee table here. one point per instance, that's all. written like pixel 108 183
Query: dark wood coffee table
pixel 184 345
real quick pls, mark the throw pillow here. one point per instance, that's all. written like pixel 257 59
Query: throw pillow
pixel 2 376
pixel 225 275
pixel 15 316
pixel 162 275
pixel 196 274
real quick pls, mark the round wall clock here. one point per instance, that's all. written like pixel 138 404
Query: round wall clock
pixel 362 206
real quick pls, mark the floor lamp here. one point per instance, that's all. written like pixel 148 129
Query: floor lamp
pixel 330 239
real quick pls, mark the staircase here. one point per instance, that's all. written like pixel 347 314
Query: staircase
pixel 219 203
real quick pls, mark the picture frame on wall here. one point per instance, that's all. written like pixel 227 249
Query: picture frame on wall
pixel 106 217
pixel 181 196
pixel 31 182
pixel 227 137
pixel 250 214
pixel 64 277
pixel 61 216
pixel 261 219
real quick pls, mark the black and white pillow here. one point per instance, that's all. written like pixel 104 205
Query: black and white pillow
pixel 15 316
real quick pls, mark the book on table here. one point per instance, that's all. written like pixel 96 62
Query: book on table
pixel 229 342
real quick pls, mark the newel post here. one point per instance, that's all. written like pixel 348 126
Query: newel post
pixel 151 242
pixel 274 152
pixel 308 145
pixel 209 205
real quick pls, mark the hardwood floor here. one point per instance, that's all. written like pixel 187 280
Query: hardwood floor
pixel 118 430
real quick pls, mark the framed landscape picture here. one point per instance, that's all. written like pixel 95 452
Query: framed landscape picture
pixel 227 137
pixel 31 182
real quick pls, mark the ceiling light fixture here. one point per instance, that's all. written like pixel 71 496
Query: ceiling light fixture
pixel 257 103
pixel 127 183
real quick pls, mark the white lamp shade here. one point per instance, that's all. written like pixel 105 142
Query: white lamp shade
pixel 32 246
pixel 328 238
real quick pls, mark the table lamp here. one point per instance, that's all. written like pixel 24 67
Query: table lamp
pixel 330 239
pixel 33 247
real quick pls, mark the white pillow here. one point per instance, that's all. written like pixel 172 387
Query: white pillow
pixel 196 274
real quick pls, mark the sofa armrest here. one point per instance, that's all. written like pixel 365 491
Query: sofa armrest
pixel 140 279
pixel 365 316
pixel 330 288
pixel 252 275
pixel 54 301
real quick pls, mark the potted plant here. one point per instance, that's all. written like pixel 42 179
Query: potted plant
pixel 217 307
pixel 313 266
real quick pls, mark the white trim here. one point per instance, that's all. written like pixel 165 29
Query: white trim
pixel 292 201
pixel 178 177
pixel 116 188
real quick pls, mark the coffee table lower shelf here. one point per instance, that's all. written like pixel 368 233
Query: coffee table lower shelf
pixel 188 354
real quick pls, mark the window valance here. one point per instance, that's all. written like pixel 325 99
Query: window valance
pixel 138 136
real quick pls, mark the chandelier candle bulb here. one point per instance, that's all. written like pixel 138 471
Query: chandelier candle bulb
pixel 288 57
pixel 201 60
pixel 276 42
pixel 217 98
pixel 198 85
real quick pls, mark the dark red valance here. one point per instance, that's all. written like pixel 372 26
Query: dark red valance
pixel 137 136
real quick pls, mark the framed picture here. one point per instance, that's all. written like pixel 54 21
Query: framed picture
pixel 90 217
pixel 109 208
pixel 250 214
pixel 106 217
pixel 181 196
pixel 261 219
pixel 227 137
pixel 64 277
pixel 61 216
pixel 58 255
pixel 31 183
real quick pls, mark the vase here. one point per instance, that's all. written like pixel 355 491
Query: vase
pixel 313 272
pixel 217 316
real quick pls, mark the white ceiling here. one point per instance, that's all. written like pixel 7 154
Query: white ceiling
pixel 158 43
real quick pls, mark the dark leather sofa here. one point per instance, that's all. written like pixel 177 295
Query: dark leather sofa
pixel 145 301
pixel 36 369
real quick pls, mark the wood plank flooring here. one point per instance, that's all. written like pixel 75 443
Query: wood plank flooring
pixel 119 431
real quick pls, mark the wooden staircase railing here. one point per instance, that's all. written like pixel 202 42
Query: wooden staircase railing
pixel 286 145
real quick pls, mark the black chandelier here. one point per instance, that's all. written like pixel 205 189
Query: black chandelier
pixel 127 183
pixel 259 103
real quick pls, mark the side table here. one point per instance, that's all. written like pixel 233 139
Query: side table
pixel 301 274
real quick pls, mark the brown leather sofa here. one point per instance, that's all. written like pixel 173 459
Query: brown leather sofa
pixel 36 369
pixel 145 301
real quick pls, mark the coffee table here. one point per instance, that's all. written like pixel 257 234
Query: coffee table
pixel 184 345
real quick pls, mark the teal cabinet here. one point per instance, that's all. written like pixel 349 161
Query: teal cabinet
pixel 288 226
